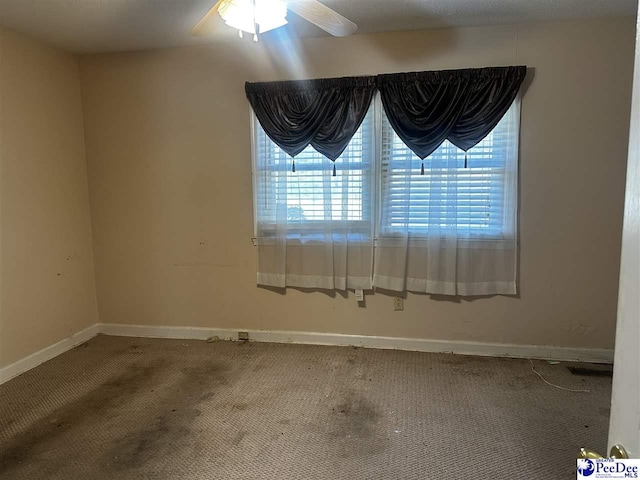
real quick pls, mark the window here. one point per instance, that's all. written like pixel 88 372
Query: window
pixel 379 216
pixel 318 192
pixel 473 193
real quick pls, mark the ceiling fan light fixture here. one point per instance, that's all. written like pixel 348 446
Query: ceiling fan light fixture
pixel 244 15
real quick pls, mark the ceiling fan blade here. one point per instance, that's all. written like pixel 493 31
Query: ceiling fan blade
pixel 204 26
pixel 322 16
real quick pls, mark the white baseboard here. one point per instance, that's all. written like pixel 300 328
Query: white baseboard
pixel 35 359
pixel 592 355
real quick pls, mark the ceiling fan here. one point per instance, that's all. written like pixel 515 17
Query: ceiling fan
pixel 259 16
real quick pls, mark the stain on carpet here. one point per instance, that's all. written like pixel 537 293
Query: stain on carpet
pixel 166 428
pixel 354 425
pixel 89 408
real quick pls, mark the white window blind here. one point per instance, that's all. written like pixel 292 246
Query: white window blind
pixel 312 196
pixel 466 194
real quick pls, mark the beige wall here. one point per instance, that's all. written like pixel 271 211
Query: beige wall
pixel 169 167
pixel 47 287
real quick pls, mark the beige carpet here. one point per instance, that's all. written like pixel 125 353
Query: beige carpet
pixel 129 408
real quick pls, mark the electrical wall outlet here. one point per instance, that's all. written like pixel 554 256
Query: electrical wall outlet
pixel 359 295
pixel 398 303
pixel 243 336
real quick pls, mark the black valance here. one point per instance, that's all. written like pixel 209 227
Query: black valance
pixel 463 106
pixel 424 108
pixel 325 113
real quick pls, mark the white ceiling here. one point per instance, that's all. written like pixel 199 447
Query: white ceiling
pixel 110 25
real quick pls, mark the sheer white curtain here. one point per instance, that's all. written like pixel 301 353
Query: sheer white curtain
pixel 453 229
pixel 314 225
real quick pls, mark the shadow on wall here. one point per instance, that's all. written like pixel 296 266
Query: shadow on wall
pixel 381 291
pixel 327 292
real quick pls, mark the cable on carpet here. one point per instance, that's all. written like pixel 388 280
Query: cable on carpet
pixel 533 369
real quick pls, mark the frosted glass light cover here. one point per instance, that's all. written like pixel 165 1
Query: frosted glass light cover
pixel 269 14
